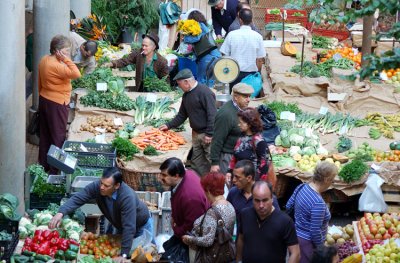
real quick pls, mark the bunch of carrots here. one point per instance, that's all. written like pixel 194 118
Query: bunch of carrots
pixel 161 140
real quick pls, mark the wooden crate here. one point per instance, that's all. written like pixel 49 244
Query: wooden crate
pixel 391 195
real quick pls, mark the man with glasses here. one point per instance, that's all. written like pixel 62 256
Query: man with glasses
pixel 226 129
pixel 118 203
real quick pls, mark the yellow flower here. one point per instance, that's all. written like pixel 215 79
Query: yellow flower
pixel 189 27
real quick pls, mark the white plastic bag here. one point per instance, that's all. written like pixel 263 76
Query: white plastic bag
pixel 371 200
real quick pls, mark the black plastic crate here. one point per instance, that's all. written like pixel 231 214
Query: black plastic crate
pixel 98 155
pixel 41 203
pixel 7 247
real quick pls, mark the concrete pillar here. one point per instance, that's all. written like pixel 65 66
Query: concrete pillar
pixel 12 92
pixel 81 8
pixel 50 18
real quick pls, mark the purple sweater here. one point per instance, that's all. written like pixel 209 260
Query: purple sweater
pixel 187 203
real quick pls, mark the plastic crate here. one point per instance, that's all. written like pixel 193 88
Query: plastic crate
pixel 291 18
pixel 166 213
pixel 184 62
pixel 155 215
pixel 41 203
pixel 7 247
pixel 166 200
pixel 340 35
pixel 91 155
pixel 151 197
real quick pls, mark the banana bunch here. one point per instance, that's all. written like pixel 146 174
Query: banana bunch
pixel 386 124
pixel 374 133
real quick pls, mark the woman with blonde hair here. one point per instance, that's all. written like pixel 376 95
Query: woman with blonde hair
pixel 311 213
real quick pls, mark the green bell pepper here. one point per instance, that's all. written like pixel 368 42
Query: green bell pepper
pixel 70 255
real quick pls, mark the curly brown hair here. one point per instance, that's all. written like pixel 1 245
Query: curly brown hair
pixel 251 116
pixel 197 16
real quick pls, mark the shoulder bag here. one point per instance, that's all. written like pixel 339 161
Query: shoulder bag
pixel 204 46
pixel 33 127
pixel 291 211
pixel 223 249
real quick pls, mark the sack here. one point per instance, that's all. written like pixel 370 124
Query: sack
pixel 204 46
pixel 290 212
pixel 270 129
pixel 371 200
pixel 223 248
pixel 34 127
pixel 175 250
pixel 254 80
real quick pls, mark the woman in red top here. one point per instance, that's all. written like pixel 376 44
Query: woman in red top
pixel 55 73
pixel 251 145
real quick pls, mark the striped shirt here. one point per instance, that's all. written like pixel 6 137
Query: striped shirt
pixel 311 214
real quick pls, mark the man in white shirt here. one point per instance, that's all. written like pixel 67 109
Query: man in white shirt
pixel 244 45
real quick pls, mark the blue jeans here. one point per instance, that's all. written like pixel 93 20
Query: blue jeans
pixel 203 66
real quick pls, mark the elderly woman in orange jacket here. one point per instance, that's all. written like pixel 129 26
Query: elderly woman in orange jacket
pixel 55 73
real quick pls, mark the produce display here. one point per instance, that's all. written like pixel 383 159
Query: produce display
pixel 364 152
pixel 100 122
pixel 125 148
pixel 355 258
pixel 323 69
pixel 99 75
pixel 324 42
pixel 377 227
pixel 386 124
pixel 344 144
pixel 161 140
pixel 8 207
pixel 107 100
pixel 326 18
pixel 49 243
pixel 344 53
pixel 348 249
pixel 388 156
pixel 279 106
pixel 326 123
pixel 392 76
pixel 156 85
pixel 92 259
pixel 339 235
pixel 146 110
pixel 40 185
pixel 389 252
pixel 353 171
pixel 100 246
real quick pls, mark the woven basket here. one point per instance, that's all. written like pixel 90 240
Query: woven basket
pixel 281 185
pixel 141 181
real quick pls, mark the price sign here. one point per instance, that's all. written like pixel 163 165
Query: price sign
pixel 343 130
pixel 375 167
pixel 323 110
pixel 118 122
pixel 151 97
pixel 101 86
pixel 287 115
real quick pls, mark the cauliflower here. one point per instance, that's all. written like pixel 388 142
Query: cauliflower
pixel 296 140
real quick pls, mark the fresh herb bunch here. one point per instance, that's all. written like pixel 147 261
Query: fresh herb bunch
pixel 156 85
pixel 40 185
pixel 107 100
pixel 344 144
pixel 89 81
pixel 125 149
pixel 279 106
pixel 159 122
pixel 322 69
pixel 150 150
pixel 322 42
pixel 353 171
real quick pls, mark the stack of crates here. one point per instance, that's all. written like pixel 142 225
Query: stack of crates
pixel 165 226
pixel 7 247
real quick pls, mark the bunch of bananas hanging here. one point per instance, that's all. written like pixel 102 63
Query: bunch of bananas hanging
pixel 386 124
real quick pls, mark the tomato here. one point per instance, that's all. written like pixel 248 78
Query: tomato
pixel 84 250
pixel 84 236
pixel 90 252
pixel 106 251
pixel 91 245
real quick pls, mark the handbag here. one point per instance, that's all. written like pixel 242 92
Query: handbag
pixel 271 176
pixel 223 249
pixel 175 250
pixel 34 127
pixel 291 211
pixel 204 46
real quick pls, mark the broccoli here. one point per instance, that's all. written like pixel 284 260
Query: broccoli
pixel 150 150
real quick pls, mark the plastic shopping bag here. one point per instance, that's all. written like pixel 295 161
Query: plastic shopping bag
pixel 371 200
pixel 254 80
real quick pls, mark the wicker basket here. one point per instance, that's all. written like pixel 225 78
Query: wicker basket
pixel 281 185
pixel 141 181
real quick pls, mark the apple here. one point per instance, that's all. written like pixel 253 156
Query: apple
pixel 392 231
pixel 396 235
pixel 378 236
pixel 387 236
pixel 382 230
pixel 388 224
pixel 395 221
pixel 398 228
pixel 373 229
pixel 376 214
pixel 368 215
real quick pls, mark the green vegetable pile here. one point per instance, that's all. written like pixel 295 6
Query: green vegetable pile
pixel 107 100
pixel 322 69
pixel 40 186
pixel 4 236
pixel 156 85
pixel 328 123
pixel 146 111
pixel 322 42
pixel 92 259
pixel 353 171
pixel 8 207
pixel 125 149
pixel 282 160
pixel 89 81
pixel 150 150
pixel 279 106
pixel 364 153
pixel 344 144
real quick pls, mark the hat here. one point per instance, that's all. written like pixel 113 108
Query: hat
pixel 243 88
pixel 213 2
pixel 184 74
pixel 153 38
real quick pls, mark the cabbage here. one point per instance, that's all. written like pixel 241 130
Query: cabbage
pixel 278 140
pixel 296 140
pixel 43 218
pixel 122 134
pixel 311 143
pixel 284 134
pixel 24 221
pixel 23 232
pixel 285 142
pixel 73 235
pixel 294 150
pixel 293 131
pixel 308 151
pixel 286 162
pixel 66 222
pixel 31 229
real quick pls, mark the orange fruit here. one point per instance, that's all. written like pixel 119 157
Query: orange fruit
pixel 389 74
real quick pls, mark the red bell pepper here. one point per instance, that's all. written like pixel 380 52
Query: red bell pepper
pixel 47 235
pixel 63 244
pixel 38 232
pixel 34 247
pixel 54 242
pixel 72 241
pixel 55 234
pixel 28 241
pixel 44 248
pixel 52 252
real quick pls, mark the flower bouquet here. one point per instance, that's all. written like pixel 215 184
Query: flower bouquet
pixel 189 27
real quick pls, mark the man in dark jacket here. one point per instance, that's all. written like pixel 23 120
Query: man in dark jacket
pixel 199 105
pixel 148 62
pixel 223 13
pixel 118 203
